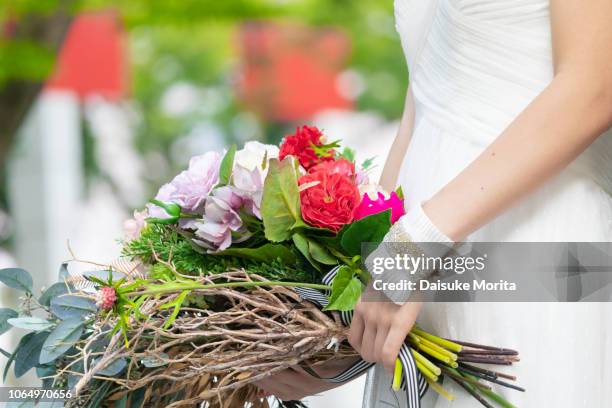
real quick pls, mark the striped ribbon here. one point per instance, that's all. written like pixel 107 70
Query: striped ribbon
pixel 413 383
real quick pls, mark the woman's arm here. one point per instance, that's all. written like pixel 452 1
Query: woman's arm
pixel 388 179
pixel 551 132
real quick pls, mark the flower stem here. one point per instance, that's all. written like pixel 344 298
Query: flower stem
pixel 397 375
pixel 178 287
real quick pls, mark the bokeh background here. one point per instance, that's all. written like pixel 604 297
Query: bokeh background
pixel 103 101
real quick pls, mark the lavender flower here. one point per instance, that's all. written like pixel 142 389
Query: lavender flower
pixel 191 187
pixel 221 224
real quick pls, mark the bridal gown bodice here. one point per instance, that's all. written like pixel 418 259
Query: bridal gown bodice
pixel 474 66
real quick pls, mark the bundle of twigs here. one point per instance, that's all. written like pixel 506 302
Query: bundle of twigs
pixel 212 351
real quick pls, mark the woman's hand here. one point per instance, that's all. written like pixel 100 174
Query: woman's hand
pixel 379 327
pixel 294 383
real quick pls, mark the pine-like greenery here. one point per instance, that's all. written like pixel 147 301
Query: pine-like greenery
pixel 165 243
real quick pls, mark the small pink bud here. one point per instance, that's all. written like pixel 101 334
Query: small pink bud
pixel 106 298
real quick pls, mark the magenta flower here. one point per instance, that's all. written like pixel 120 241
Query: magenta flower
pixel 370 207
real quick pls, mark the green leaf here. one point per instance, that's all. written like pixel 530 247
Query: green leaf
pixel 153 362
pixel 301 243
pixel 16 278
pixel 227 164
pixel 46 370
pixel 266 253
pixel 346 290
pixel 176 303
pixel 63 273
pixel 55 290
pixel 5 315
pixel 367 163
pixel 30 323
pixel 113 369
pixel 348 154
pixel 400 192
pixel 320 253
pixel 280 205
pixel 23 340
pixel 72 307
pixel 29 355
pixel 65 335
pixel 371 229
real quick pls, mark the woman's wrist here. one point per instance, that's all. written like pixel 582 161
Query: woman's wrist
pixel 449 226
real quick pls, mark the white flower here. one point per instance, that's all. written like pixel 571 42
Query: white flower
pixel 372 190
pixel 252 155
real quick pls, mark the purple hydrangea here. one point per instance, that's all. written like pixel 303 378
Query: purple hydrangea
pixel 220 225
pixel 191 187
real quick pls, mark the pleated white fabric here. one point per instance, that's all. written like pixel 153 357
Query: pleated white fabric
pixel 474 66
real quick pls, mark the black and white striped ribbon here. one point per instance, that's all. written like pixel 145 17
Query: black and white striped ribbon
pixel 413 382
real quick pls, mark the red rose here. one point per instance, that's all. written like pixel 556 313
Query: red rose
pixel 329 201
pixel 338 166
pixel 300 145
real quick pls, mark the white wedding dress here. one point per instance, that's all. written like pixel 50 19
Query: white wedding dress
pixel 474 66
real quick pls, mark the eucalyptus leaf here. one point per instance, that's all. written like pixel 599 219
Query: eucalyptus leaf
pixel 23 340
pixel 280 204
pixel 113 368
pixel 5 353
pixel 30 323
pixel 72 307
pixel 45 373
pixel 53 291
pixel 21 404
pixel 63 273
pixel 104 275
pixel 16 278
pixel 64 336
pixel 155 361
pixel 29 354
pixel 346 290
pixel 5 315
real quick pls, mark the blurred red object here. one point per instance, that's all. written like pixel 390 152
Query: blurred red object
pixel 290 71
pixel 92 59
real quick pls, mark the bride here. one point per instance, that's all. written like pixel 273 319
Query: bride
pixel 503 138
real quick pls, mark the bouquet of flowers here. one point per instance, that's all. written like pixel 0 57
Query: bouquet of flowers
pixel 210 294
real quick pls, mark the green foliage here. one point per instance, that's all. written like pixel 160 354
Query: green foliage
pixel 227 164
pixel 346 290
pixel 54 291
pixel 265 253
pixel 29 354
pixel 5 315
pixel 280 205
pixel 30 323
pixel 61 339
pixel 371 229
pixel 16 278
pixel 167 244
pixel 72 307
